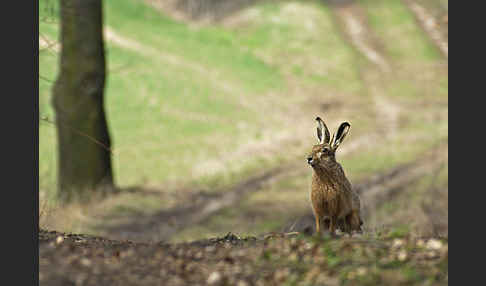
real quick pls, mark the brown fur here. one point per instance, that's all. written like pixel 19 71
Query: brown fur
pixel 332 196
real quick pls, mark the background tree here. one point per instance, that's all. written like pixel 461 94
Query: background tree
pixel 84 162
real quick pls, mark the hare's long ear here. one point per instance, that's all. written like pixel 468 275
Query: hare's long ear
pixel 338 137
pixel 322 130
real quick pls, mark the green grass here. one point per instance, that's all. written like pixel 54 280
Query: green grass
pixel 166 103
pixel 212 47
pixel 162 116
pixel 291 36
pixel 47 135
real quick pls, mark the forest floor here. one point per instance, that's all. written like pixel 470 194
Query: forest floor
pixel 391 259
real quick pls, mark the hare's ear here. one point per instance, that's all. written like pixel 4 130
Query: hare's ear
pixel 338 137
pixel 322 130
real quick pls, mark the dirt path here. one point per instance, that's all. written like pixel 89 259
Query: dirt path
pixel 195 209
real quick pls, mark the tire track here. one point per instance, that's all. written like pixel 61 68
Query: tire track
pixel 429 24
pixel 353 20
pixel 212 75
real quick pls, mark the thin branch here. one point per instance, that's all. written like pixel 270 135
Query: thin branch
pixel 46 79
pixel 46 119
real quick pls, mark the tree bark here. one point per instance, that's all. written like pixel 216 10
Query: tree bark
pixel 84 159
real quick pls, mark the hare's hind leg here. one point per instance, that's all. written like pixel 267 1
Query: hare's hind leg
pixel 344 225
pixel 354 222
pixel 357 222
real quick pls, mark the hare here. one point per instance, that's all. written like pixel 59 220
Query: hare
pixel 332 196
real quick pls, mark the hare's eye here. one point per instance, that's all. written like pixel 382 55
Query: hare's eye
pixel 325 149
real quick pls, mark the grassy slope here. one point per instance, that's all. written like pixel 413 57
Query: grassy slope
pixel 419 79
pixel 157 107
pixel 165 114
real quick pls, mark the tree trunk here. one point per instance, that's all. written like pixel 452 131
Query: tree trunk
pixel 84 161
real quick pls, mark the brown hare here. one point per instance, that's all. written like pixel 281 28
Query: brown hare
pixel 333 199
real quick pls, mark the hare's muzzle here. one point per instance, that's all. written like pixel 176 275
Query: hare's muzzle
pixel 310 160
